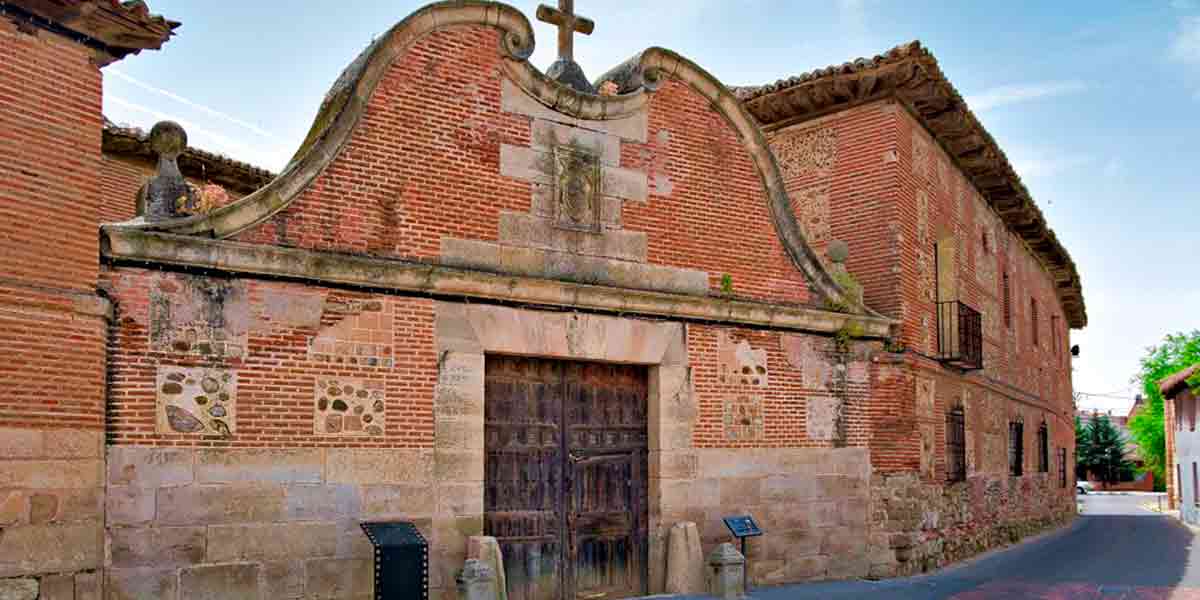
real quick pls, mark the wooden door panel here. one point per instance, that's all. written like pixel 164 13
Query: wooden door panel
pixel 565 470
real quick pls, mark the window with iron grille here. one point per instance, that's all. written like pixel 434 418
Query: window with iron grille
pixel 1016 448
pixel 1043 449
pixel 1033 321
pixel 1007 302
pixel 956 445
pixel 1062 467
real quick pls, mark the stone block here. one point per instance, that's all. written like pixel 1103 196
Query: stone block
pixel 149 467
pixel 42 508
pixel 19 442
pixel 131 547
pixel 456 500
pixel 486 549
pixel 807 567
pixel 141 584
pixel 525 164
pixel 741 494
pixel 728 572
pixel 51 548
pixel 476 581
pixel 789 543
pixel 402 501
pixel 40 474
pixel 458 434
pixel 458 466
pixel 627 184
pixel 215 504
pixel 545 135
pixel 55 587
pixel 532 231
pixel 699 493
pixel 129 505
pixel 685 560
pixel 271 541
pixel 339 578
pixel 322 502
pixel 73 443
pixel 470 254
pixel 376 466
pixel 14 507
pixel 514 100
pixel 789 488
pixel 844 542
pixel 23 588
pixel 219 582
pixel 274 465
pixel 87 585
pixel 65 506
pixel 673 465
pixel 284 580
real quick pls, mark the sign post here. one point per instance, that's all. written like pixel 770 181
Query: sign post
pixel 742 527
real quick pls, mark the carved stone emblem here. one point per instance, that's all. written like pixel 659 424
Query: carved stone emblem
pixel 576 188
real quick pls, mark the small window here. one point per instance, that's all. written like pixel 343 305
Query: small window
pixel 956 445
pixel 1062 467
pixel 1043 449
pixel 1007 302
pixel 985 243
pixel 1016 448
pixel 1033 320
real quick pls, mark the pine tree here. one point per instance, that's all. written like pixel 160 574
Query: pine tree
pixel 1100 449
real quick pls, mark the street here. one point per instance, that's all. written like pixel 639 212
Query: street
pixel 1115 549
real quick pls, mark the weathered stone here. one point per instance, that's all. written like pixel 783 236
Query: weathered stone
pixel 219 582
pixel 42 508
pixel 685 560
pixel 73 443
pixel 51 548
pixel 55 587
pixel 271 541
pixel 14 507
pixel 352 542
pixel 17 443
pixel 476 581
pixel 129 505
pixel 322 502
pixel 87 585
pixel 727 572
pixel 458 466
pixel 378 466
pixel 487 550
pixel 156 546
pixel 283 580
pixel 40 474
pixel 23 588
pixel 513 99
pixel 339 578
pixel 214 504
pixel 141 584
pixel 460 499
pixel 402 501
pixel 280 465
pixel 149 467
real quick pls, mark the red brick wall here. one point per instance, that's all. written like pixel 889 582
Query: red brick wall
pixel 120 181
pixel 51 328
pixel 784 400
pixel 275 377
pixel 424 165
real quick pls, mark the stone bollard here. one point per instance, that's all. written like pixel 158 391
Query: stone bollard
pixel 728 566
pixel 685 560
pixel 486 549
pixel 476 581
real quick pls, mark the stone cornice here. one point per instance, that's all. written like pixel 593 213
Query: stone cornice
pixel 111 28
pixel 157 248
pixel 911 74
pixel 346 102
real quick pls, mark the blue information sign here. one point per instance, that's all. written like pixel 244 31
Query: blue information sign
pixel 742 526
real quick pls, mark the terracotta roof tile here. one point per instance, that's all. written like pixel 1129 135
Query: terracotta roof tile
pixel 1171 385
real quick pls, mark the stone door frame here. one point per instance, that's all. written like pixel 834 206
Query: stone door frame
pixel 465 333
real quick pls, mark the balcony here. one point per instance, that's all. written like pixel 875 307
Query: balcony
pixel 960 335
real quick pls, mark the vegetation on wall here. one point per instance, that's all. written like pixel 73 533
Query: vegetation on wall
pixel 1177 352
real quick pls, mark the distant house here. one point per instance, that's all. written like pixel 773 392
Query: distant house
pixel 1183 443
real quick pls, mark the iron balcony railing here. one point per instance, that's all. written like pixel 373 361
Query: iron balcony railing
pixel 960 335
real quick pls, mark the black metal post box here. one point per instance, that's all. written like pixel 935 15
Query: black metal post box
pixel 401 561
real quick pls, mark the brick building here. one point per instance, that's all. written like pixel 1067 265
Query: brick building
pixel 493 301
pixel 1182 444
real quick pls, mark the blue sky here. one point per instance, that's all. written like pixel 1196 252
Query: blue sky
pixel 1095 104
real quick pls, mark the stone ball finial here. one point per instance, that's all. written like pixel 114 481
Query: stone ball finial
pixel 167 138
pixel 838 251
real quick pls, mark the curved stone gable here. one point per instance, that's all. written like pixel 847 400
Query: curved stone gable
pixel 345 104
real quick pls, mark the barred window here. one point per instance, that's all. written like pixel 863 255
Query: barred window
pixel 956 445
pixel 1007 302
pixel 1033 321
pixel 1062 467
pixel 1043 449
pixel 1016 448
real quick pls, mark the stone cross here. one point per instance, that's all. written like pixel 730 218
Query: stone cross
pixel 568 23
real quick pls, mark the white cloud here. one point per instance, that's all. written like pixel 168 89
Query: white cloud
pixel 1012 94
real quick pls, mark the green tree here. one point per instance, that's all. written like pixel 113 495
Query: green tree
pixel 1100 448
pixel 1177 352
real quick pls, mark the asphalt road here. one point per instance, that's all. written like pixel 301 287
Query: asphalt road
pixel 1115 549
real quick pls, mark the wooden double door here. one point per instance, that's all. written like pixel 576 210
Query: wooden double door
pixel 565 477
